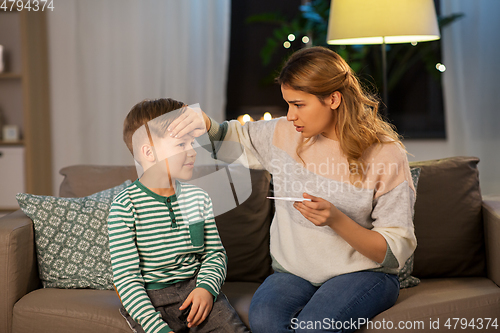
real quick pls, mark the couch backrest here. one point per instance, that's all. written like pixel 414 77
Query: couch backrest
pixel 83 180
pixel 448 220
pixel 244 230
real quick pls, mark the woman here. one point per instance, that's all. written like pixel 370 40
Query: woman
pixel 335 257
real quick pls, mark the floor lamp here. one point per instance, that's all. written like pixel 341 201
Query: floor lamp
pixel 362 22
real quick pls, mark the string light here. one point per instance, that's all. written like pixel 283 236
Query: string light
pixel 287 44
pixel 291 37
pixel 267 116
pixel 244 118
pixel 440 67
pixel 305 39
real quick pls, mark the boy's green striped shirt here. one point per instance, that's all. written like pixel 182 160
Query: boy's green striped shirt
pixel 156 241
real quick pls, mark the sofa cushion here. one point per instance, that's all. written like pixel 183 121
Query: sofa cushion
pixel 240 295
pixel 444 300
pixel 448 221
pixel 94 311
pixel 70 310
pixel 71 238
pixel 83 180
pixel 244 232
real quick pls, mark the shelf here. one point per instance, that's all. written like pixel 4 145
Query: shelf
pixel 11 143
pixel 24 100
pixel 10 76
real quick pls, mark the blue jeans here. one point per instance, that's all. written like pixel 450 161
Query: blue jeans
pixel 288 303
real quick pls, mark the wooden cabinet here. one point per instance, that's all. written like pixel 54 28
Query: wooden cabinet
pixel 12 166
pixel 24 102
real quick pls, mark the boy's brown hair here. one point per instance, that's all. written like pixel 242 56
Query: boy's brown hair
pixel 145 111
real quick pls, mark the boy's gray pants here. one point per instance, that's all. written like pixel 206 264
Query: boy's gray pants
pixel 222 318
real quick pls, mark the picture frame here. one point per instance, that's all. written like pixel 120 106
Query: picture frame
pixel 10 133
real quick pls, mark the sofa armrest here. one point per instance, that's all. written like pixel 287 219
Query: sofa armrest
pixel 18 265
pixel 491 216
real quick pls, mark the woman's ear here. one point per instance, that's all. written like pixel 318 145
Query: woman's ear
pixel 335 99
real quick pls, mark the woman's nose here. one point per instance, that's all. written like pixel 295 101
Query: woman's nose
pixel 291 115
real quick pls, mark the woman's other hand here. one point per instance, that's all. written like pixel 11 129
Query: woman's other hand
pixel 193 122
pixel 323 213
pixel 319 211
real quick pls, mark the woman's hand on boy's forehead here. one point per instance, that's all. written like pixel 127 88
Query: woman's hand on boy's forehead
pixel 190 122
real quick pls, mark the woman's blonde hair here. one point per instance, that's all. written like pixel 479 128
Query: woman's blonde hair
pixel 320 71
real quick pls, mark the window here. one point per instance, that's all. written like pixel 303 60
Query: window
pixel 415 99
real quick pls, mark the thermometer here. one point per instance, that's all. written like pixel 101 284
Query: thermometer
pixel 289 199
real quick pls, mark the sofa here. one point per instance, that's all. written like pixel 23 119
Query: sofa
pixel 457 259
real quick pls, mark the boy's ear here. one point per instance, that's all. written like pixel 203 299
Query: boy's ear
pixel 147 153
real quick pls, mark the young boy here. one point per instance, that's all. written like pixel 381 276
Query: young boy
pixel 167 258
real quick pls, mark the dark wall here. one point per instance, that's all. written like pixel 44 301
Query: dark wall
pixel 246 91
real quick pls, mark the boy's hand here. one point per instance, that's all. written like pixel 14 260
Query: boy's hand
pixel 202 302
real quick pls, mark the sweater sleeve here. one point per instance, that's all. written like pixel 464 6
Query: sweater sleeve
pixel 393 220
pixel 254 139
pixel 126 272
pixel 393 206
pixel 213 260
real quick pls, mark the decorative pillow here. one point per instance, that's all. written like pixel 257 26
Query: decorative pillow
pixel 108 195
pixel 448 219
pixel 71 238
pixel 415 175
pixel 404 274
pixel 406 280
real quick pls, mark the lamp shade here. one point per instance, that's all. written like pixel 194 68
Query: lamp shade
pixel 372 21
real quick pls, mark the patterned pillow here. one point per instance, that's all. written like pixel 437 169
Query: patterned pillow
pixel 108 195
pixel 71 238
pixel 406 280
